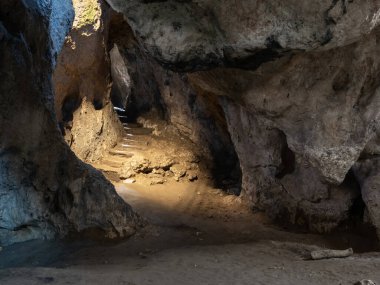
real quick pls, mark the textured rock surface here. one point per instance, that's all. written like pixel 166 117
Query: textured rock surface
pixel 368 172
pixel 325 103
pixel 306 106
pixel 121 79
pixel 284 184
pixel 92 132
pixel 44 189
pixel 144 93
pixel 169 96
pixel 82 68
pixel 81 82
pixel 198 34
pixel 301 104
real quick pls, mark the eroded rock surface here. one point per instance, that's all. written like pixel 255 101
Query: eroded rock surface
pixel 325 104
pixel 122 84
pixel 82 84
pixel 45 190
pixel 303 98
pixel 203 33
pixel 169 96
pixel 92 132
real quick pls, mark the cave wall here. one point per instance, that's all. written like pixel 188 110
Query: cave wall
pixel 200 34
pixel 156 92
pixel 45 190
pixel 82 84
pixel 299 86
pixel 289 89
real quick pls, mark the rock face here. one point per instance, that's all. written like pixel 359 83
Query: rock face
pixel 367 171
pixel 45 190
pixel 288 89
pixel 166 95
pixel 301 103
pixel 122 84
pixel 82 84
pixel 185 35
pixel 92 132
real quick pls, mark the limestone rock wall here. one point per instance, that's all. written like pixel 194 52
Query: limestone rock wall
pixel 92 133
pixel 82 84
pixel 194 34
pixel 326 105
pixel 169 96
pixel 45 191
pixel 301 101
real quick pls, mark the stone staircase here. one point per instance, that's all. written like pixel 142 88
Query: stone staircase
pixel 135 141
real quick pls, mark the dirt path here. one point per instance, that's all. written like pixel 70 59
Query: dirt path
pixel 197 235
pixel 255 263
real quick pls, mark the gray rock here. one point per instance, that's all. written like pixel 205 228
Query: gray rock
pixel 206 33
pixel 45 191
pixel 122 82
pixel 368 173
pixel 81 83
pixel 301 108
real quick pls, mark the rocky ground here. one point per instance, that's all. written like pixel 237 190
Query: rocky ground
pixel 197 235
pixel 151 152
pixel 194 233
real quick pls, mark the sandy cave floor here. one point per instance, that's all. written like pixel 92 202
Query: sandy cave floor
pixel 197 235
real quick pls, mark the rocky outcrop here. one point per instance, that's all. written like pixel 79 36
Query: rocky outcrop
pixel 45 190
pixel 92 132
pixel 282 183
pixel 82 84
pixel 303 98
pixel 325 104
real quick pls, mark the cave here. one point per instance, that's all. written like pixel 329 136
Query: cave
pixel 146 142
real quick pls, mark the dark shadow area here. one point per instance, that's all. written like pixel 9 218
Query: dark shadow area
pixel 69 105
pixel 288 160
pixel 358 224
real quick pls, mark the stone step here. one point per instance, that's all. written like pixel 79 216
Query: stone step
pixel 130 149
pixel 106 168
pixel 133 125
pixel 123 153
pixel 124 146
pixel 131 140
pixel 139 141
pixel 112 162
pixel 138 131
pixel 114 158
